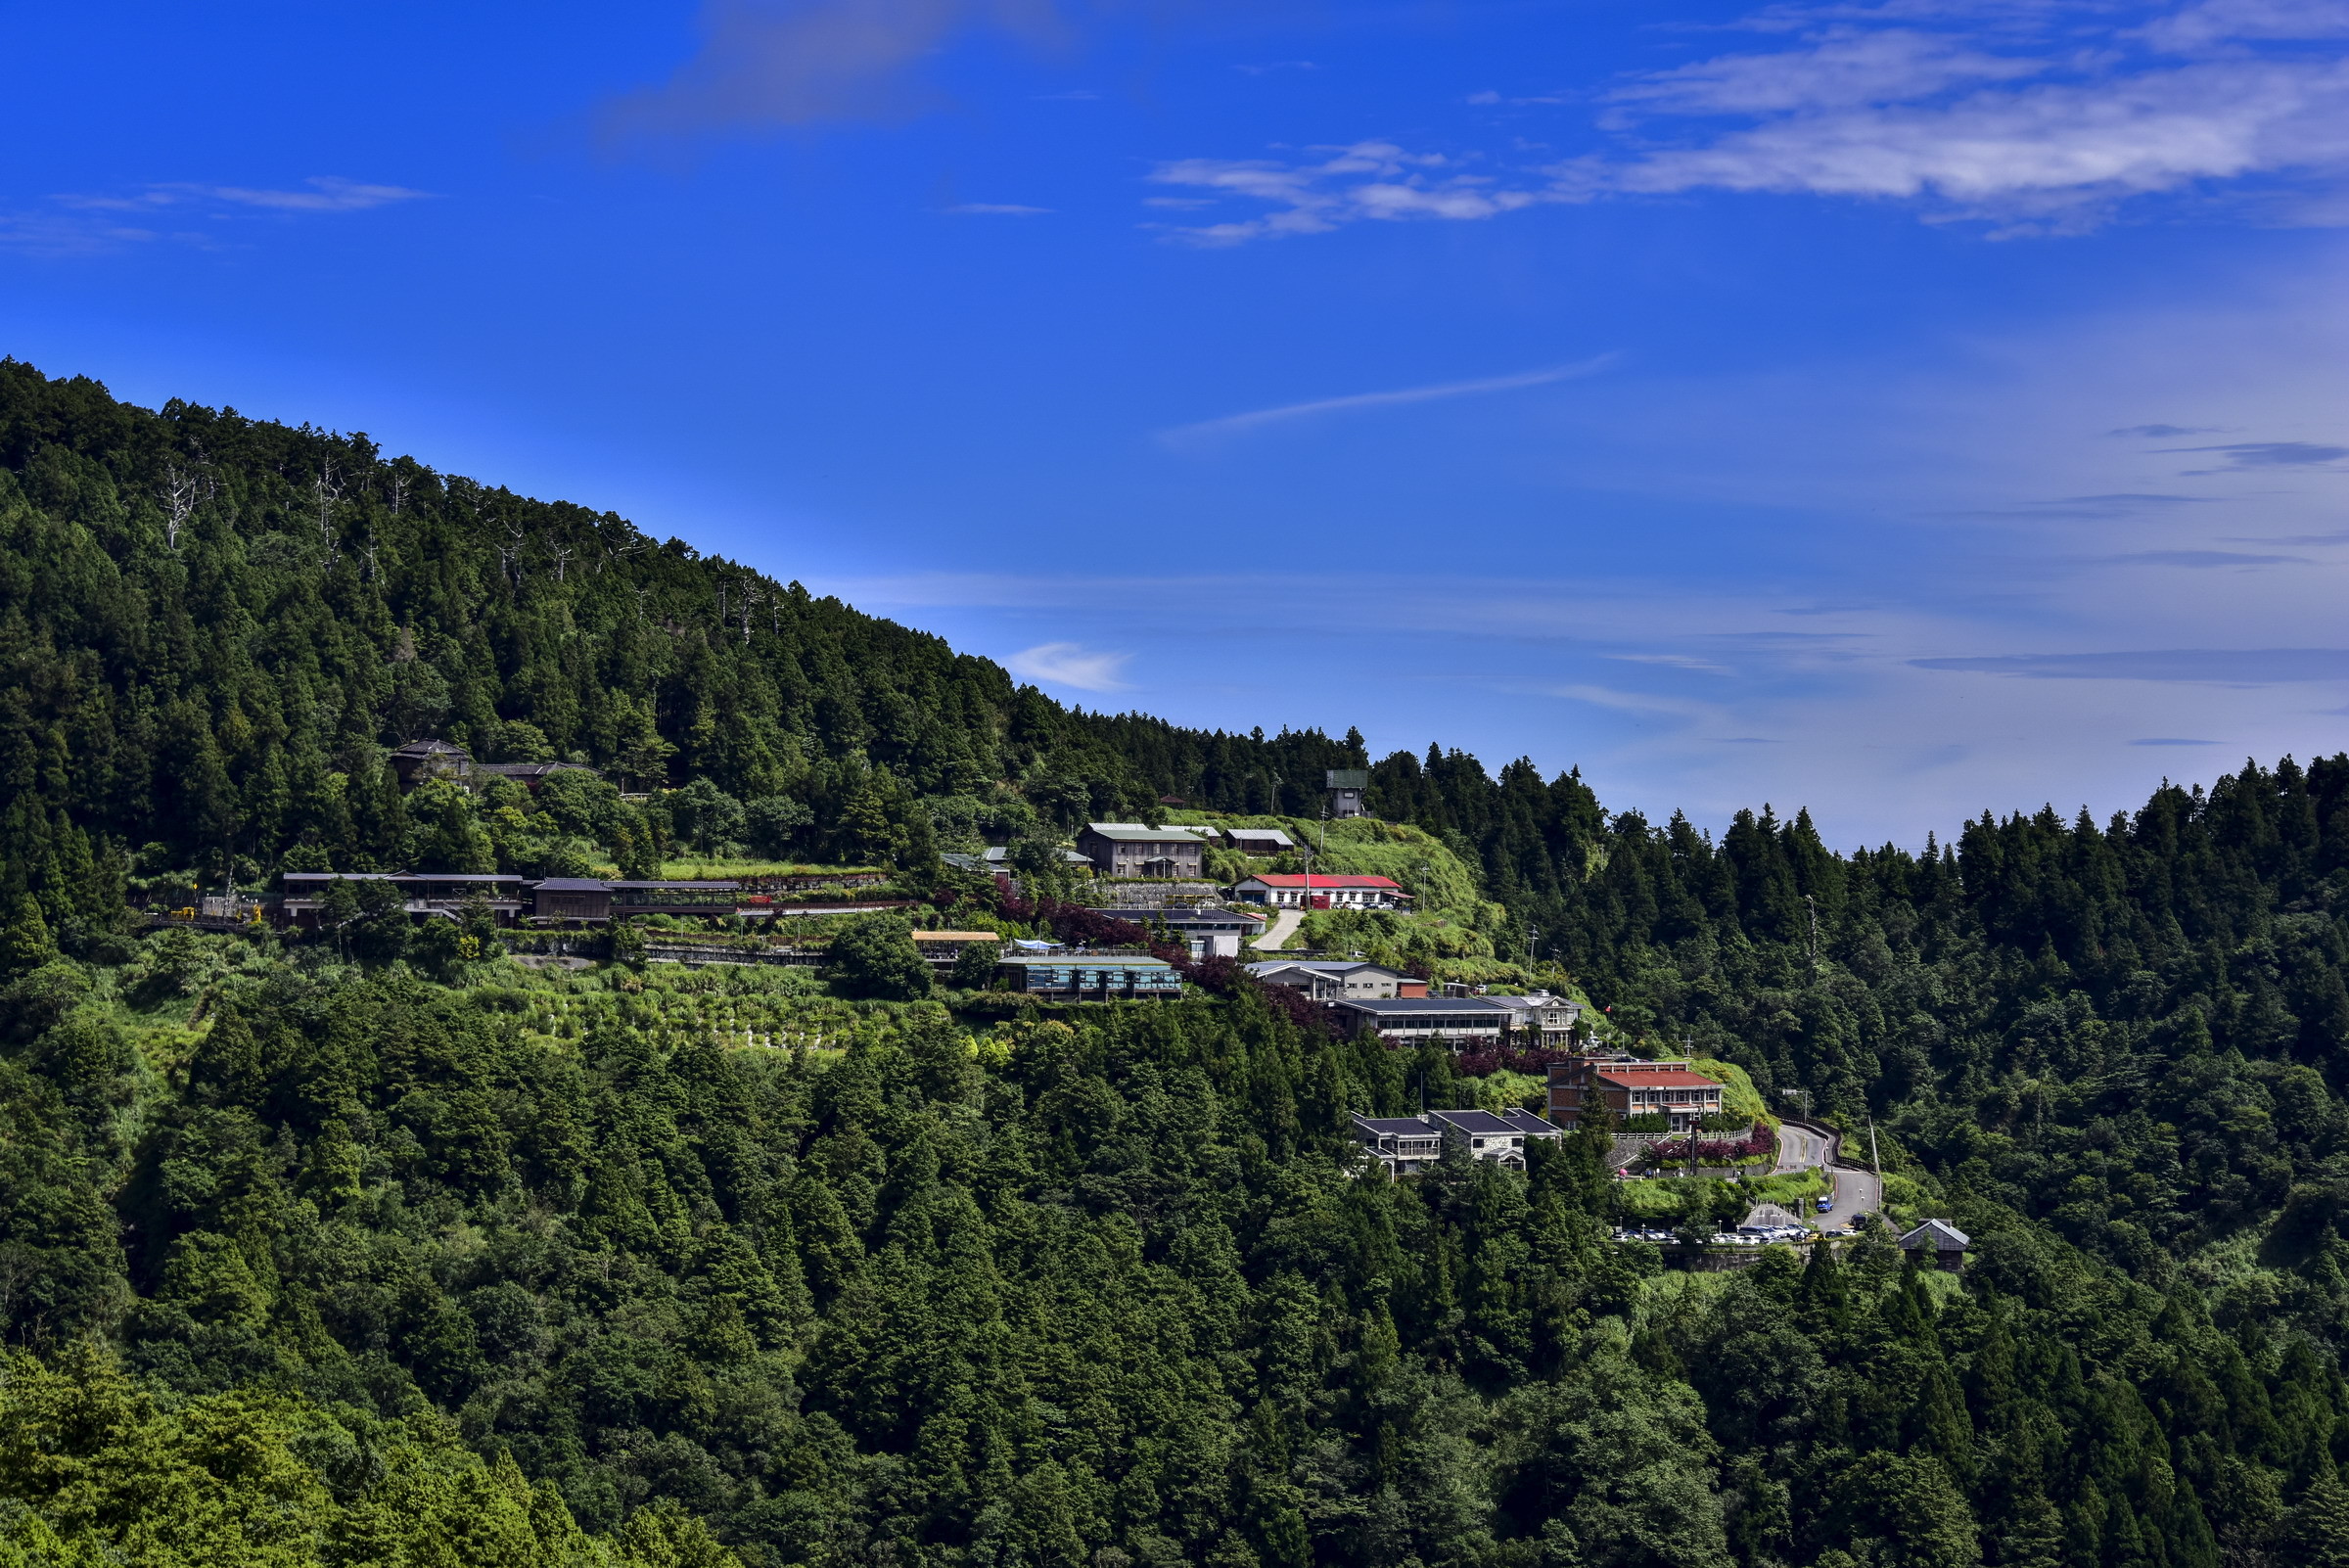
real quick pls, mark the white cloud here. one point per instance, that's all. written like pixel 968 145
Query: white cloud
pixel 1256 418
pixel 2037 117
pixel 1069 664
pixel 327 192
pixel 54 234
pixel 1672 661
pixel 92 223
pixel 1846 67
pixel 2039 147
pixel 1368 180
pixel 2219 22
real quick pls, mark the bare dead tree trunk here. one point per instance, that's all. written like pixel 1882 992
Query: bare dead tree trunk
pixel 179 499
pixel 561 554
pixel 328 492
pixel 509 554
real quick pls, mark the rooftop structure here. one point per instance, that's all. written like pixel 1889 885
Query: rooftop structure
pixel 1941 1240
pixel 421 761
pixel 1085 976
pixel 1346 786
pixel 425 893
pixel 1629 1086
pixel 1259 841
pixel 1406 1146
pixel 1326 980
pixel 1206 933
pixel 1133 850
pixel 1289 890
pixel 1550 1018
pixel 1414 1019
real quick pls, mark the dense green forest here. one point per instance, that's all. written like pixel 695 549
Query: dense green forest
pixel 305 1260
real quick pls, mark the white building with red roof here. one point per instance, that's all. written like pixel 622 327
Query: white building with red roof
pixel 1289 890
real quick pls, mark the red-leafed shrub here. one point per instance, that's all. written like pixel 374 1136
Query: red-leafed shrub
pixel 1476 1064
pixel 1757 1141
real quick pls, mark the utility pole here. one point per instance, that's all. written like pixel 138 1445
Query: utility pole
pixel 1873 1164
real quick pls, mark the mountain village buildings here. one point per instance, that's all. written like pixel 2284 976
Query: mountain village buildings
pixel 1131 850
pixel 1320 890
pixel 419 762
pixel 1629 1086
pixel 1334 979
pixel 1408 1145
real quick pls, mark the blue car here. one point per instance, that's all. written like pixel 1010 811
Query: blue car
pixel 1826 1205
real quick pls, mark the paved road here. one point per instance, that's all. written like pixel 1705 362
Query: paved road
pixel 1801 1149
pixel 1857 1192
pixel 1284 926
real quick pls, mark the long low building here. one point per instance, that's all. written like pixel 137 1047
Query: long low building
pixel 1290 890
pixel 590 900
pixel 566 900
pixel 1084 977
pixel 1412 1020
pixel 423 893
pixel 1206 933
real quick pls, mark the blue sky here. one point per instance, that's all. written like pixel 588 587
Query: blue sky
pixel 1896 410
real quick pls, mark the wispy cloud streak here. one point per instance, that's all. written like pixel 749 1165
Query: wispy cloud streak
pixel 91 223
pixel 1209 429
pixel 1069 664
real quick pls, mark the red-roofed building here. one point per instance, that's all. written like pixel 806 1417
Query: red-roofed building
pixel 1288 890
pixel 1629 1087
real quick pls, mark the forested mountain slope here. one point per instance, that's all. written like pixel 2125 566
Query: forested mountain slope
pixel 1089 1291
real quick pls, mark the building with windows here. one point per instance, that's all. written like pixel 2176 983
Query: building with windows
pixel 1131 850
pixel 1259 841
pixel 1541 1019
pixel 1332 980
pixel 1086 976
pixel 1629 1086
pixel 1413 1020
pixel 426 893
pixel 1204 933
pixel 1289 890
pixel 1346 786
pixel 591 901
pixel 1406 1146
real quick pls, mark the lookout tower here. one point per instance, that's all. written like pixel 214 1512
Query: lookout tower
pixel 1346 786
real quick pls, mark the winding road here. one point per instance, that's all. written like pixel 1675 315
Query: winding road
pixel 1857 1192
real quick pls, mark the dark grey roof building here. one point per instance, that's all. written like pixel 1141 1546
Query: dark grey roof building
pixel 1406 1146
pixel 1455 1020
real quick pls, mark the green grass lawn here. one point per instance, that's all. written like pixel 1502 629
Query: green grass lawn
pixel 1667 1198
pixel 727 867
pixel 1739 1096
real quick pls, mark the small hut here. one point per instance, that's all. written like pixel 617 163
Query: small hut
pixel 1943 1241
